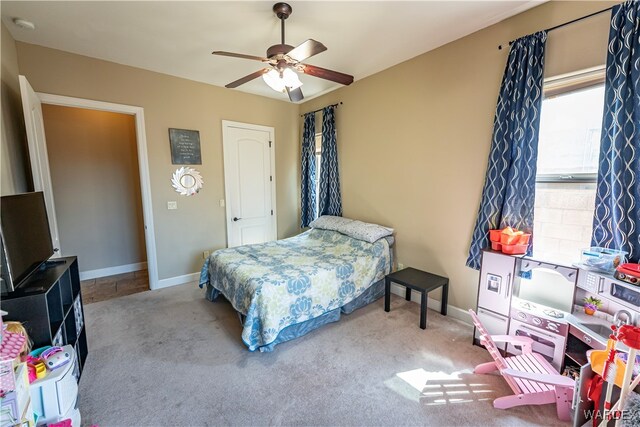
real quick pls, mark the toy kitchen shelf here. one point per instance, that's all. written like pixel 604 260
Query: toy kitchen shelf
pixel 49 305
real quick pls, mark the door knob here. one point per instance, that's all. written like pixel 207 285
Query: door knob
pixel 236 219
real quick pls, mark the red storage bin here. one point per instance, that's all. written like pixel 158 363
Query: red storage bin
pixel 515 239
pixel 509 239
pixel 494 236
pixel 514 249
pixel 496 246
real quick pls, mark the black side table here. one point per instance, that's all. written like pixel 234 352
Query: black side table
pixel 422 282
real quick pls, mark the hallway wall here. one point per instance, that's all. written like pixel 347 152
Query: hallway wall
pixel 94 171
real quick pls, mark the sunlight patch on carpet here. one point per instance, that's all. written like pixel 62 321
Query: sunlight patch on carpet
pixel 440 388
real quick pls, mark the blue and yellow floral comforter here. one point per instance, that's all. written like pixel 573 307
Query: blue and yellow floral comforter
pixel 286 282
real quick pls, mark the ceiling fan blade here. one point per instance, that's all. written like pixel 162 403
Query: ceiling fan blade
pixel 239 55
pixel 306 49
pixel 323 73
pixel 295 95
pixel 248 78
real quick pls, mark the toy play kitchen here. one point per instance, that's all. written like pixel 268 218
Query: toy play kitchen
pixel 545 302
pixel 523 297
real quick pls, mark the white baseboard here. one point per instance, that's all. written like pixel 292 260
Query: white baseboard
pixel 178 280
pixel 112 271
pixel 434 304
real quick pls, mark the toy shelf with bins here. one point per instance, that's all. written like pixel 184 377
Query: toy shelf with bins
pixel 49 305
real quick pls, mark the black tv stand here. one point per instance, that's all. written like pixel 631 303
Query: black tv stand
pixel 49 305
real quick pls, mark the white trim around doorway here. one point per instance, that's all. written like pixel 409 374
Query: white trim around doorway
pixel 143 165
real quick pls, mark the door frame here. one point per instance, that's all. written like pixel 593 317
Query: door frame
pixel 143 166
pixel 226 124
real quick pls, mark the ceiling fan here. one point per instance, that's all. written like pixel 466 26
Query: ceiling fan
pixel 285 62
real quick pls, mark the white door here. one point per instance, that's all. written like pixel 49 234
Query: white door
pixel 249 178
pixel 34 123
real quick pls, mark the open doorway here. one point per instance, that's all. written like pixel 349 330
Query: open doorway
pixel 93 163
pixel 38 153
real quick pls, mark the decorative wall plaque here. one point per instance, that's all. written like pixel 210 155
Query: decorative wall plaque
pixel 185 147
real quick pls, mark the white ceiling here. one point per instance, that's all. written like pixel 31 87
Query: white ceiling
pixel 177 37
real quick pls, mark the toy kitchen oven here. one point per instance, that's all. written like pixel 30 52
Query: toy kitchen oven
pixel 523 297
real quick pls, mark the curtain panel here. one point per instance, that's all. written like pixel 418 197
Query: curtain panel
pixel 508 194
pixel 329 199
pixel 616 221
pixel 308 163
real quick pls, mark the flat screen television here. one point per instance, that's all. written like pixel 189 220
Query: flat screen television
pixel 26 237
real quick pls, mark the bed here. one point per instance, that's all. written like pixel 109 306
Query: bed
pixel 287 288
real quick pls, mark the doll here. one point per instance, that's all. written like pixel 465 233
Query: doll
pixel 17 328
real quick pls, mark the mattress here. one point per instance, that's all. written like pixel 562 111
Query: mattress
pixel 280 284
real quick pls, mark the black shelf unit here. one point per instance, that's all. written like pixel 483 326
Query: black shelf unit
pixel 49 305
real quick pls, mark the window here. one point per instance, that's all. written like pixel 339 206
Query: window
pixel 568 150
pixel 318 161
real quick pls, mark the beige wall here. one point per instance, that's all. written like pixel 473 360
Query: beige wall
pixel 93 160
pixel 413 140
pixel 199 222
pixel 14 167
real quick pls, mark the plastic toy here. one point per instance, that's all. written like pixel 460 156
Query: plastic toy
pixel 609 374
pixel 36 367
pixel 63 423
pixel 630 336
pixel 591 305
pixel 55 357
pixel 41 369
pixel 38 351
pixel 534 381
pixel 510 241
pixel 31 372
pixel 599 357
pixel 629 272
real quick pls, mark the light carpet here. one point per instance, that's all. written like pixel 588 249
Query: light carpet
pixel 171 358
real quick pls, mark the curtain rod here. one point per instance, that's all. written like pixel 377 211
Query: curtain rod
pixel 320 109
pixel 568 23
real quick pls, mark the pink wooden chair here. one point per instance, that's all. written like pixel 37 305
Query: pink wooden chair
pixel 534 381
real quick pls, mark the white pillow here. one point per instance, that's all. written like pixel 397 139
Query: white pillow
pixel 352 228
pixel 329 222
pixel 365 231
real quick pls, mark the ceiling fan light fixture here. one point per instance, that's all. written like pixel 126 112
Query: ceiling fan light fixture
pixel 288 79
pixel 291 79
pixel 272 78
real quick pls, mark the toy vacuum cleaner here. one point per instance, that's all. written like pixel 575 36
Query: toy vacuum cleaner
pixel 616 371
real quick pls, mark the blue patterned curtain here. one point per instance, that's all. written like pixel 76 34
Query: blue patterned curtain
pixel 509 189
pixel 329 199
pixel 616 221
pixel 308 170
